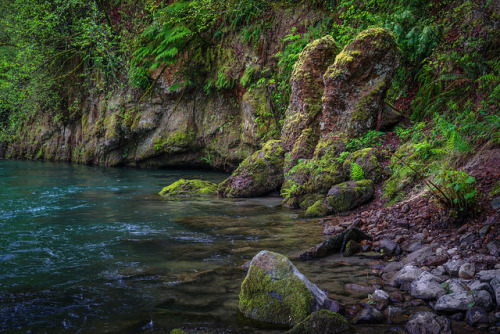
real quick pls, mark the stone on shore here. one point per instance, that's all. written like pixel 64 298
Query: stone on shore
pixel 274 291
pixel 426 286
pixel 428 323
pixel 463 300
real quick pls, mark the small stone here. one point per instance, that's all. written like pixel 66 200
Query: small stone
pixel 396 315
pixel 405 208
pixel 478 285
pixel 452 267
pixel 426 286
pixel 468 239
pixel 488 275
pixel 390 247
pixel 484 231
pixel 494 247
pixel 457 316
pixel 462 301
pixel 429 323
pixel 369 315
pixel 467 271
pixel 439 271
pixel 440 251
pixel 407 275
pixel 477 315
pixel 495 284
pixel 332 229
pixel 452 251
pixel 495 204
pixel 357 223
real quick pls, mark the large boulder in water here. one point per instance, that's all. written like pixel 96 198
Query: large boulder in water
pixel 189 188
pixel 259 174
pixel 301 126
pixel 274 291
pixel 357 82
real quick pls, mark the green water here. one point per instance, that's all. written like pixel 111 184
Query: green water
pixel 94 250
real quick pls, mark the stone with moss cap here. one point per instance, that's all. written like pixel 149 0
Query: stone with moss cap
pixel 259 174
pixel 301 126
pixel 357 82
pixel 367 160
pixel 349 195
pixel 189 188
pixel 322 321
pixel 274 291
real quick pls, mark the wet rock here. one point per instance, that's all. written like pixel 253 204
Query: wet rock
pixel 461 301
pixel 495 284
pixel 494 247
pixel 335 244
pixel 352 247
pixel 488 275
pixel 406 276
pixel 301 126
pixel 349 195
pixel 428 323
pixel 390 247
pixel 257 175
pixel 332 229
pixel 467 271
pixel 274 291
pixel 367 160
pixel 419 255
pixel 452 267
pixel 393 266
pixel 357 82
pixel 322 321
pixel 405 208
pixel 426 286
pixel 369 315
pixel 477 315
pixel 189 188
pixel 484 231
pixel 380 298
pixel 396 315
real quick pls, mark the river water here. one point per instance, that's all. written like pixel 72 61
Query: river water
pixel 95 250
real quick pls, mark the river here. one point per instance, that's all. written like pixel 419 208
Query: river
pixel 96 250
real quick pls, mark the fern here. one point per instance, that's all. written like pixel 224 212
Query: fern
pixel 357 173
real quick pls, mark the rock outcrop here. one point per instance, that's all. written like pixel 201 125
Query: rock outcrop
pixel 274 291
pixel 300 132
pixel 257 175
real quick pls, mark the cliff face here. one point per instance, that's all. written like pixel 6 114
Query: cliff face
pixel 167 128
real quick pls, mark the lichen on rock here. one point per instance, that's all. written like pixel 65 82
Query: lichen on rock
pixel 259 174
pixel 189 188
pixel 274 291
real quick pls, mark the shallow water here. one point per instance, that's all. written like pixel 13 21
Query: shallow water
pixel 94 250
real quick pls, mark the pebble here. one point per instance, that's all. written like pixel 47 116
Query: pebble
pixel 467 271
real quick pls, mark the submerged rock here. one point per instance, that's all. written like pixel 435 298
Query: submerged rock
pixel 189 188
pixel 429 323
pixel 334 245
pixel 274 291
pixel 257 175
pixel 357 82
pixel 322 321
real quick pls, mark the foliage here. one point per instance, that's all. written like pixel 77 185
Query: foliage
pixel 357 173
pixel 370 139
pixel 456 192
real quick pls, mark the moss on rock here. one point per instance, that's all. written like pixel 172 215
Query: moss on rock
pixel 275 292
pixel 322 321
pixel 349 195
pixel 259 174
pixel 367 160
pixel 189 188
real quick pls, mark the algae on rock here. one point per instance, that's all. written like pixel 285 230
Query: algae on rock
pixel 189 188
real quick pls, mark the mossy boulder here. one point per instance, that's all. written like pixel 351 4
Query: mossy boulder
pixel 189 188
pixel 274 291
pixel 367 160
pixel 357 82
pixel 349 195
pixel 257 175
pixel 301 126
pixel 323 321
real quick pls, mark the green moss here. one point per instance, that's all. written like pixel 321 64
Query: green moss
pixel 347 196
pixel 284 301
pixel 176 141
pixel 368 162
pixel 318 209
pixel 189 188
pixel 300 71
pixel 178 331
pixel 495 190
pixel 322 321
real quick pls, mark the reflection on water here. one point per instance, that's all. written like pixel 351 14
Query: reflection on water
pixel 95 250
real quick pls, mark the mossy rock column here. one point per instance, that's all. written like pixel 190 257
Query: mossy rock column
pixel 357 82
pixel 274 291
pixel 301 127
pixel 257 175
pixel 189 188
